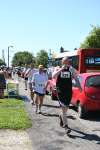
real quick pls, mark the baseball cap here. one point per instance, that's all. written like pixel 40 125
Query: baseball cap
pixel 40 67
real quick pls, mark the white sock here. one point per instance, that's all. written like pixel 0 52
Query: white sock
pixel 64 118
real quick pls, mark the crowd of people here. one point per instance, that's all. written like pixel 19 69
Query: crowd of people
pixel 37 81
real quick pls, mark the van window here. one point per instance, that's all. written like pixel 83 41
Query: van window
pixel 93 81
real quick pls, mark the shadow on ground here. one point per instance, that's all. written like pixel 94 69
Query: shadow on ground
pixel 24 98
pixel 86 136
pixel 56 115
pixel 49 105
pixel 50 115
pixel 91 116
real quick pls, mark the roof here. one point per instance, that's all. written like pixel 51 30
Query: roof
pixel 70 53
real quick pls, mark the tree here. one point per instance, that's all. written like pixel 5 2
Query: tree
pixel 93 39
pixel 2 63
pixel 22 58
pixel 42 58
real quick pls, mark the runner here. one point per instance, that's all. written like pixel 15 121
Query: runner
pixel 40 84
pixel 26 75
pixel 64 77
pixel 30 76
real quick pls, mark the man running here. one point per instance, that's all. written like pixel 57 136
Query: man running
pixel 64 77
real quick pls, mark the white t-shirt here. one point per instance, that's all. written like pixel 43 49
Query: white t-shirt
pixel 40 81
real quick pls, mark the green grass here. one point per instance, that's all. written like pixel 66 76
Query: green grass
pixel 13 114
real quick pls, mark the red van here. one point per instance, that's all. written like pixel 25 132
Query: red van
pixel 86 100
pixel 89 98
pixel 51 89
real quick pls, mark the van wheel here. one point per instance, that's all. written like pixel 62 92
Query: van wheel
pixel 81 111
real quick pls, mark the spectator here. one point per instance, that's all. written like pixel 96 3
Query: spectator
pixel 2 82
pixel 26 75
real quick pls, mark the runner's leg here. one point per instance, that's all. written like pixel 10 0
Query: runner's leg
pixel 64 115
pixel 25 84
pixel 41 103
pixel 36 102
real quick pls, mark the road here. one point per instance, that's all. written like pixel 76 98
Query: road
pixel 46 134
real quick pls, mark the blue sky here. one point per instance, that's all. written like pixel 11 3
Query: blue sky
pixel 33 25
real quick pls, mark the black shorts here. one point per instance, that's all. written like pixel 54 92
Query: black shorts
pixel 26 78
pixel 64 103
pixel 65 99
pixel 39 94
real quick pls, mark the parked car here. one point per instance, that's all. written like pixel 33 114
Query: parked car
pixel 51 89
pixel 89 98
pixel 86 100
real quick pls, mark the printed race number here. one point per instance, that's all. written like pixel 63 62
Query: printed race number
pixel 65 74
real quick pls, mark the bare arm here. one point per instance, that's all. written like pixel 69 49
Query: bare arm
pixel 46 85
pixel 75 76
pixel 33 80
pixel 56 73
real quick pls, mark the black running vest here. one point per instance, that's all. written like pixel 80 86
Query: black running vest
pixel 64 81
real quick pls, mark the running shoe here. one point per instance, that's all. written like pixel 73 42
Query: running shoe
pixel 61 121
pixel 67 129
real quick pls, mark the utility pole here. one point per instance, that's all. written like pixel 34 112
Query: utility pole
pixel 50 58
pixel 3 55
pixel 50 54
pixel 8 54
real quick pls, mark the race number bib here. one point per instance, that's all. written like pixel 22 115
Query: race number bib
pixel 65 74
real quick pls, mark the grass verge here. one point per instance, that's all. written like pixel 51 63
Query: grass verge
pixel 13 114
